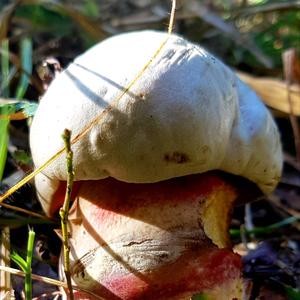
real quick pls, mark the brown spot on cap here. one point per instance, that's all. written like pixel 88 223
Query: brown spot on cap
pixel 176 157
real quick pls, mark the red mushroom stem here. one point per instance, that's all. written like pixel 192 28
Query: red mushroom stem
pixel 165 240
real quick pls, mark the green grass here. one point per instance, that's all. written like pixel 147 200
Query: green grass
pixel 26 66
pixel 264 230
pixel 4 110
pixel 3 141
pixel 5 68
pixel 25 265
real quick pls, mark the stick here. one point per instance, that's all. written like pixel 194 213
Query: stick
pixel 48 281
pixel 64 211
pixel 5 281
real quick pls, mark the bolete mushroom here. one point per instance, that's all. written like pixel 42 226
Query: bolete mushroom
pixel 152 199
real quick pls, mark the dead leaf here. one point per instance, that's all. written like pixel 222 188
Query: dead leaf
pixel 291 67
pixel 16 109
pixel 5 18
pixel 274 93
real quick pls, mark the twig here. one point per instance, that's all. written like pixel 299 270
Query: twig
pixel 137 20
pixel 172 17
pixel 275 200
pixel 49 295
pixel 289 60
pixel 35 277
pixel 267 8
pixel 25 211
pixel 64 211
pixel 5 282
pixel 291 161
pixel 47 280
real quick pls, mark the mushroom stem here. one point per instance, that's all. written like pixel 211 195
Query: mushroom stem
pixel 165 240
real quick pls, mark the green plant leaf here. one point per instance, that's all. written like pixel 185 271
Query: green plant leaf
pixel 4 138
pixel 5 67
pixel 21 157
pixel 19 261
pixel 15 110
pixel 267 229
pixel 44 19
pixel 293 294
pixel 26 64
pixel 28 276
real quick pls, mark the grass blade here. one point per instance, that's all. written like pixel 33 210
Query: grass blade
pixel 26 265
pixel 26 65
pixel 17 259
pixel 267 229
pixel 4 110
pixel 3 140
pixel 5 68
pixel 28 277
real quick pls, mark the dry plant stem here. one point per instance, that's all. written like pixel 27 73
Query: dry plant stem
pixel 51 295
pixel 295 127
pixel 86 129
pixel 64 211
pixel 248 219
pixel 289 62
pixel 172 17
pixel 291 161
pixel 35 277
pixel 46 280
pixel 267 8
pixel 25 211
pixel 5 282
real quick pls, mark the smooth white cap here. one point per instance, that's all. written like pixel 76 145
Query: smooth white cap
pixel 187 114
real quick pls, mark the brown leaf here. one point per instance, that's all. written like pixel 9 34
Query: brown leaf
pixel 274 92
pixel 5 18
pixel 291 67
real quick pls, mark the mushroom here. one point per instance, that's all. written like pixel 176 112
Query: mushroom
pixel 158 175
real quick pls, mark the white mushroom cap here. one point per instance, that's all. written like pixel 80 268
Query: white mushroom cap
pixel 187 114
